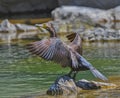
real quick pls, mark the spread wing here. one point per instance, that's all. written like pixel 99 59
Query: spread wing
pixel 51 49
pixel 76 42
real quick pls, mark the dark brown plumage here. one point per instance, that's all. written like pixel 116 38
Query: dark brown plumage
pixel 66 55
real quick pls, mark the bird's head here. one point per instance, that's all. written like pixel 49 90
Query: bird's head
pixel 50 28
pixel 47 26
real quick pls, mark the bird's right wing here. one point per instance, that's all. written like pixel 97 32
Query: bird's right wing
pixel 51 49
pixel 76 42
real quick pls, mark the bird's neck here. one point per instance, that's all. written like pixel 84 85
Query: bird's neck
pixel 52 33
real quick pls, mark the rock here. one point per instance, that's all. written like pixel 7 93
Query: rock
pixel 66 85
pixel 6 26
pixel 12 31
pixel 116 15
pixel 92 16
pixel 24 27
pixel 87 85
pixel 62 84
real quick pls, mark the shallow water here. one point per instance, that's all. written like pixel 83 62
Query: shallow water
pixel 22 74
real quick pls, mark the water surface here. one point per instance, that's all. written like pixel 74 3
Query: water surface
pixel 22 74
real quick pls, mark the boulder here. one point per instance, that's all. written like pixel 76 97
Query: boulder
pixel 6 26
pixel 9 31
pixel 92 16
pixel 116 15
pixel 92 23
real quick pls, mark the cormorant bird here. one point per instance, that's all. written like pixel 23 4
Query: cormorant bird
pixel 74 38
pixel 66 55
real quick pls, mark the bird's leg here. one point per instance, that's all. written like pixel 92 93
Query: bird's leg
pixel 74 74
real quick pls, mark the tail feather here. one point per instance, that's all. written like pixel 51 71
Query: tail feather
pixel 97 74
pixel 94 71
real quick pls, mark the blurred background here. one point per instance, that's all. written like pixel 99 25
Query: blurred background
pixel 29 9
pixel 27 76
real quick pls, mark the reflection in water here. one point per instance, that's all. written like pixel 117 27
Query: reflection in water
pixel 102 50
pixel 8 36
pixel 17 75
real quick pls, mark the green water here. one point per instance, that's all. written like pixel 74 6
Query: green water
pixel 23 74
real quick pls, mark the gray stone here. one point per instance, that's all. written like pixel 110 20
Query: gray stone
pixel 6 26
pixel 65 85
pixel 88 15
pixel 24 27
pixel 116 14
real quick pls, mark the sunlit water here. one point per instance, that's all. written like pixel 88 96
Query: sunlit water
pixel 22 74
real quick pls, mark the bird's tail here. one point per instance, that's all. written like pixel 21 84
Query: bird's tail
pixel 98 74
pixel 94 71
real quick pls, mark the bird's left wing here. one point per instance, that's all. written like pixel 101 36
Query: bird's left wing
pixel 51 49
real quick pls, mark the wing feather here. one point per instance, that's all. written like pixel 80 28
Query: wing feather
pixel 52 49
pixel 76 42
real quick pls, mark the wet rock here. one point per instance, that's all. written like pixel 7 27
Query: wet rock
pixel 24 27
pixel 63 84
pixel 6 26
pixel 87 85
pixel 66 85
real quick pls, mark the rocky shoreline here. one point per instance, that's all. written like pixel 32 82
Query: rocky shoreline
pixel 91 23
